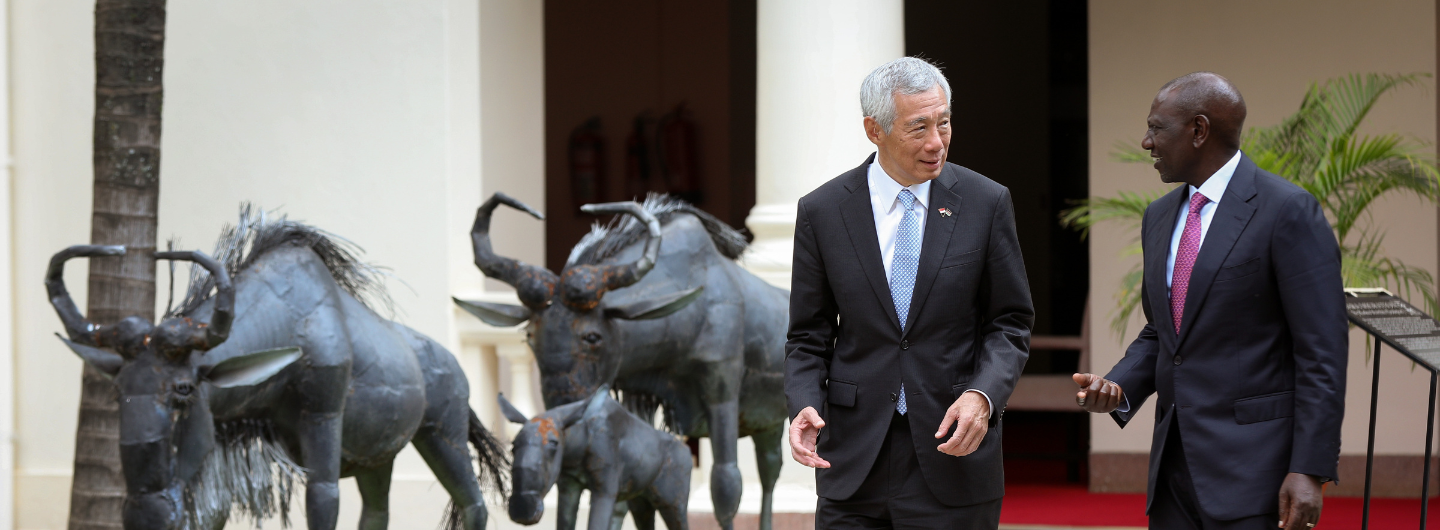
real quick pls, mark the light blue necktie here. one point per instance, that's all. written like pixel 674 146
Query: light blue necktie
pixel 903 266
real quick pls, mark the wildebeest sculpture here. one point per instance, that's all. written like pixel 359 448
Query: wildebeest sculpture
pixel 597 444
pixel 678 325
pixel 335 390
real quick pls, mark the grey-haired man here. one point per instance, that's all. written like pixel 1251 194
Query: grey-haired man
pixel 910 321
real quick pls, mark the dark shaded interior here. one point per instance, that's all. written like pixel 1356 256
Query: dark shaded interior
pixel 1017 73
pixel 626 66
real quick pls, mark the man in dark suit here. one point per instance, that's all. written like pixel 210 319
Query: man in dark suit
pixel 909 315
pixel 1245 339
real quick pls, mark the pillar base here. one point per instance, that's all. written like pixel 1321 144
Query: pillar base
pixel 769 255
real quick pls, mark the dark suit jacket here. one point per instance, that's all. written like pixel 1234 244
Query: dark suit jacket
pixel 970 315
pixel 1256 376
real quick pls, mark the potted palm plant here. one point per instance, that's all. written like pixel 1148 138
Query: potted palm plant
pixel 1319 149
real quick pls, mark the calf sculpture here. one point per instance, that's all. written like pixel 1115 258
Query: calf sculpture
pixel 681 326
pixel 597 445
pixel 306 384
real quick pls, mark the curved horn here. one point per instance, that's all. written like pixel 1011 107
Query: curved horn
pixel 636 270
pixel 534 285
pixel 224 312
pixel 77 326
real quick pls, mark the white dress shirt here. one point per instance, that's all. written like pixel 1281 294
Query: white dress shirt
pixel 885 204
pixel 1213 188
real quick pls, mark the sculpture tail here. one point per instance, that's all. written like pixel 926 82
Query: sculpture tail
pixel 494 473
pixel 494 469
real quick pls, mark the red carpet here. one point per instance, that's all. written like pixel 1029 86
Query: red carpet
pixel 1074 506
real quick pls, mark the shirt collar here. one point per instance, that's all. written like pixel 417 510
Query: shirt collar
pixel 1214 187
pixel 885 191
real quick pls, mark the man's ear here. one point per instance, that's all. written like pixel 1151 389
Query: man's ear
pixel 873 131
pixel 1201 125
pixel 511 413
pixel 107 361
pixel 655 307
pixel 251 368
pixel 498 315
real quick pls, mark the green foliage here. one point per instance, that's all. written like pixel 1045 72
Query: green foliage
pixel 1319 149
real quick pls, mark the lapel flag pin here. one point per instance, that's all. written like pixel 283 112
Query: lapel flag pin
pixel 945 212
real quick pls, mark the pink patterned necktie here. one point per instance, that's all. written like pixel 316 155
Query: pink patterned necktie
pixel 1185 259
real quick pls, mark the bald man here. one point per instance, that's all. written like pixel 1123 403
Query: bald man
pixel 1245 340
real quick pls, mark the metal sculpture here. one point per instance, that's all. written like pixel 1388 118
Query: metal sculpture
pixel 683 327
pixel 308 384
pixel 597 444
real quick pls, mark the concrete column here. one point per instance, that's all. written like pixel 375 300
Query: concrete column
pixel 521 379
pixel 7 330
pixel 811 57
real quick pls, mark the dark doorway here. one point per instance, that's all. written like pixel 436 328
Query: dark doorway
pixel 647 96
pixel 1018 76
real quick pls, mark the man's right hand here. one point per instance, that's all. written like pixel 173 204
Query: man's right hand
pixel 1096 394
pixel 804 430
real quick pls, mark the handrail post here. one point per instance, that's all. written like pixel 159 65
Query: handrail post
pixel 1370 447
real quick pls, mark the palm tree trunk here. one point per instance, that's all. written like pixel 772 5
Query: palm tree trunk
pixel 129 56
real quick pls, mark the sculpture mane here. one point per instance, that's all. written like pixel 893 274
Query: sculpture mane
pixel 242 244
pixel 249 474
pixel 605 241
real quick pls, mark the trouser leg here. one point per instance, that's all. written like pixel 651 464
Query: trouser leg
pixel 1176 505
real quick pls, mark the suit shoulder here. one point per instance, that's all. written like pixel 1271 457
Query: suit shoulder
pixel 1275 185
pixel 1169 197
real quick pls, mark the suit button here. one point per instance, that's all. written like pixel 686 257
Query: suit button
pixel 894 396
pixel 1178 360
pixel 904 344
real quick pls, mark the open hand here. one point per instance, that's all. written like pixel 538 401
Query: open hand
pixel 971 416
pixel 1300 502
pixel 804 430
pixel 1096 394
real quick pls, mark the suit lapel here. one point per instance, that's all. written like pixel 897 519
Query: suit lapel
pixel 1161 230
pixel 859 220
pixel 935 242
pixel 1231 216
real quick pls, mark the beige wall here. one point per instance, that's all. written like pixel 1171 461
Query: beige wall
pixel 362 118
pixel 1271 51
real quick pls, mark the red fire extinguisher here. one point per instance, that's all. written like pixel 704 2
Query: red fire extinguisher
pixel 677 142
pixel 639 157
pixel 587 165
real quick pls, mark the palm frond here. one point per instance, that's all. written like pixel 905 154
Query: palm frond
pixel 1362 265
pixel 1329 111
pixel 1127 300
pixel 1126 206
pixel 1130 153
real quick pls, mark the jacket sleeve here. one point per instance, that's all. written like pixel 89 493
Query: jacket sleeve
pixel 810 342
pixel 1006 313
pixel 1306 261
pixel 1135 373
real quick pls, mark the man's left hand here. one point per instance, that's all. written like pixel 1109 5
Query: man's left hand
pixel 1300 502
pixel 971 416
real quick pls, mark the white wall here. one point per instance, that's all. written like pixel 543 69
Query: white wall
pixel 362 118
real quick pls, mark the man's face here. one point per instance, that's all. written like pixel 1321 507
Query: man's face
pixel 914 150
pixel 1169 138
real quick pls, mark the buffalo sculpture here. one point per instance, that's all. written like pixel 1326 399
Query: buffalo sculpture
pixel 283 376
pixel 680 326
pixel 599 445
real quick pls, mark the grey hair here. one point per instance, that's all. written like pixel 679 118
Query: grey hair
pixel 906 75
